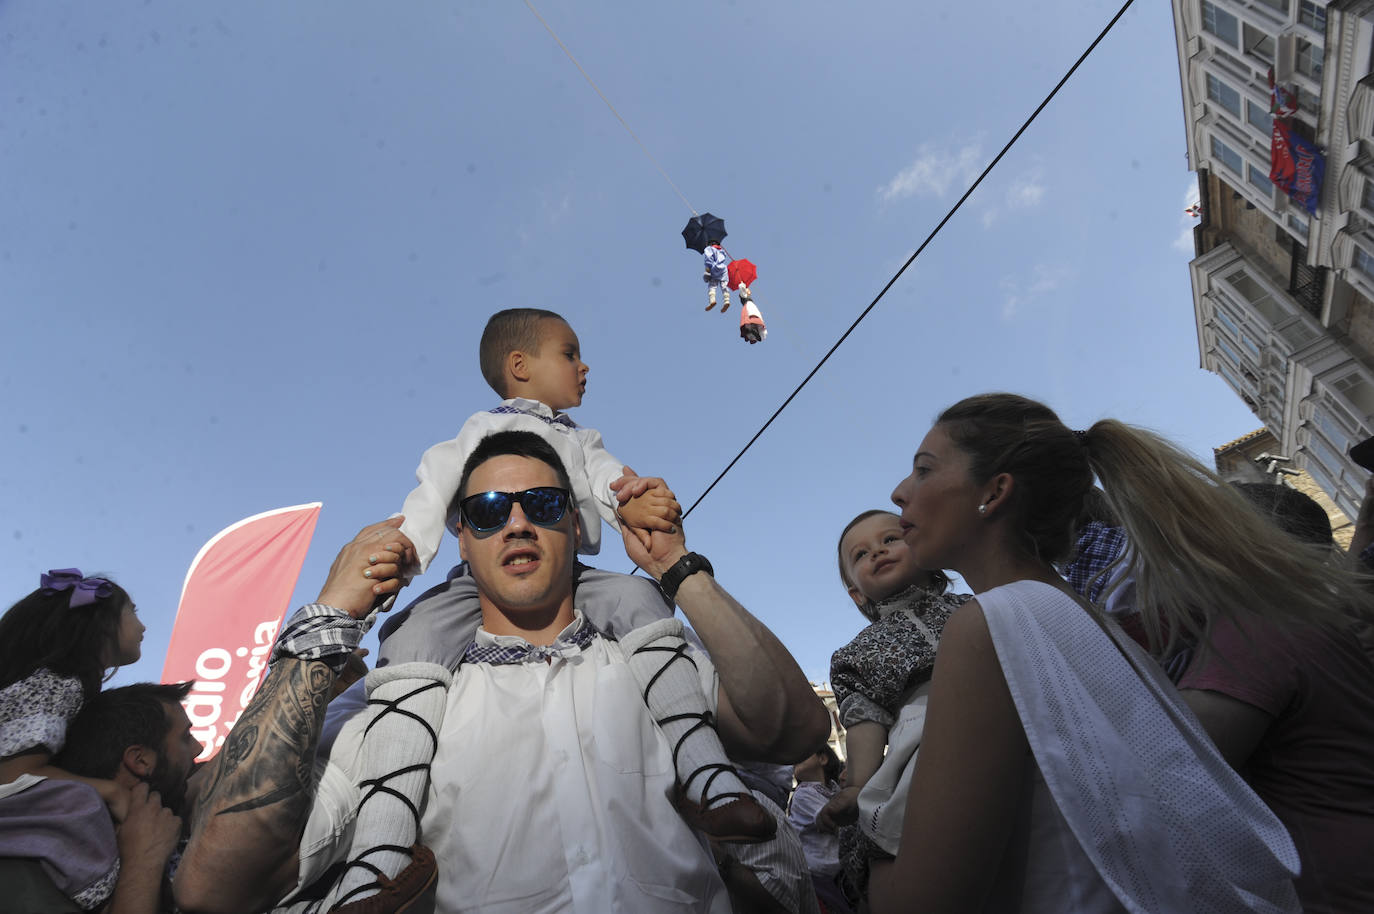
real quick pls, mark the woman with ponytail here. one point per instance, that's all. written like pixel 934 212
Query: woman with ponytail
pixel 1060 770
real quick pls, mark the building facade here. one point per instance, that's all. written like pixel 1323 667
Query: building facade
pixel 1283 290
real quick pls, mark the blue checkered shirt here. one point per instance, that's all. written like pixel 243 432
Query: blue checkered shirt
pixel 1098 545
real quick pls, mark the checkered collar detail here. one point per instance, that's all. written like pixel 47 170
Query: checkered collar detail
pixel 523 407
pixel 567 644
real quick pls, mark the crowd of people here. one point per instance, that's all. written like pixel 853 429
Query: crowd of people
pixel 1157 696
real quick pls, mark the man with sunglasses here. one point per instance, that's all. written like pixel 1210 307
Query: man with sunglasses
pixel 551 789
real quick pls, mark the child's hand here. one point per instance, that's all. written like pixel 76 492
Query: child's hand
pixel 843 809
pixel 646 505
pixel 632 486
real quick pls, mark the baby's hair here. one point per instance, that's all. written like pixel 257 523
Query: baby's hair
pixel 832 765
pixel 511 330
pixel 939 581
pixel 43 630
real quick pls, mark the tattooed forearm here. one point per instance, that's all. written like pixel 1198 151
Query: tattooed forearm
pixel 268 758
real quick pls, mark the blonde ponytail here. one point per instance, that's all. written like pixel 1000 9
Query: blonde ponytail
pixel 1199 549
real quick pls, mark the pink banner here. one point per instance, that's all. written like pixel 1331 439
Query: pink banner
pixel 237 591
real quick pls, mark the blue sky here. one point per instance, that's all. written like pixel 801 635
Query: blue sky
pixel 247 251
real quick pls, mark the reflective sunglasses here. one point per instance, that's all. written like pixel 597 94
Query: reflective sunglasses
pixel 487 512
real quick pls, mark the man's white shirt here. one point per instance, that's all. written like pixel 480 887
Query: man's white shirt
pixel 550 791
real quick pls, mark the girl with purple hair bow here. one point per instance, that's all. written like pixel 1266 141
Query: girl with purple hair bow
pixel 57 646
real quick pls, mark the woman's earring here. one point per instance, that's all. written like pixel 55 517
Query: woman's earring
pixel 982 509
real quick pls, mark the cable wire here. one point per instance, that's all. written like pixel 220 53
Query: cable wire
pixel 598 91
pixel 912 259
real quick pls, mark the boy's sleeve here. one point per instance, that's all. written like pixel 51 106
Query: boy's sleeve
pixel 602 470
pixel 440 469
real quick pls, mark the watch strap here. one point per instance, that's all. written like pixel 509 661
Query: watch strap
pixel 683 568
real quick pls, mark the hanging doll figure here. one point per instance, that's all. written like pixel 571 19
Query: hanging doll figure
pixel 751 328
pixel 715 273
pixel 743 272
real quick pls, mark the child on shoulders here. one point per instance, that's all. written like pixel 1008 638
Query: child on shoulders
pixel 532 359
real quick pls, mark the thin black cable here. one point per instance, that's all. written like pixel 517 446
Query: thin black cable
pixel 912 259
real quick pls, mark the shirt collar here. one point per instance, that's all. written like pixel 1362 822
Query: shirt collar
pixel 487 639
pixel 542 410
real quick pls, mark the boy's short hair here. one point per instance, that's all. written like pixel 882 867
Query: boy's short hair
pixel 506 332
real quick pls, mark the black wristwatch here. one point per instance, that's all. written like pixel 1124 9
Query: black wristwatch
pixel 689 564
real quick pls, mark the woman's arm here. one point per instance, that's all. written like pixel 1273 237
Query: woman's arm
pixel 967 784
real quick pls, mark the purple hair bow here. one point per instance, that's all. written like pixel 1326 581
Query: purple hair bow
pixel 85 591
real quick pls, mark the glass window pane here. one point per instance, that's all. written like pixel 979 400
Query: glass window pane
pixel 1227 348
pixel 1227 156
pixel 1309 59
pixel 1260 181
pixel 1258 43
pixel 1259 299
pixel 1280 6
pixel 1313 15
pixel 1230 377
pixel 1259 117
pixel 1221 24
pixel 1333 432
pixel 1363 262
pixel 1223 95
pixel 1226 322
pixel 1358 391
pixel 1367 198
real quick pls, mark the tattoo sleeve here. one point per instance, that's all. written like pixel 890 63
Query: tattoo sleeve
pixel 266 767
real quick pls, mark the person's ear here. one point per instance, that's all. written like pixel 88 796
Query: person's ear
pixel 139 760
pixel 997 494
pixel 518 366
pixel 859 599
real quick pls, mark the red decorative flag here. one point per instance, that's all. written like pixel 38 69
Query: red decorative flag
pixel 236 593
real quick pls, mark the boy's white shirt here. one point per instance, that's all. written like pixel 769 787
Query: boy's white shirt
pixel 591 469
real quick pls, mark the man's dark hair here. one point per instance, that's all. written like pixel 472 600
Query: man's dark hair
pixel 114 720
pixel 1295 513
pixel 502 444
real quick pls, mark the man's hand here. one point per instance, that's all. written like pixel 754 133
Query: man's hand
pixel 150 830
pixel 652 545
pixel 368 568
pixel 843 809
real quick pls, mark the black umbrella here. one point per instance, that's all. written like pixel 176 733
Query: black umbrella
pixel 702 230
